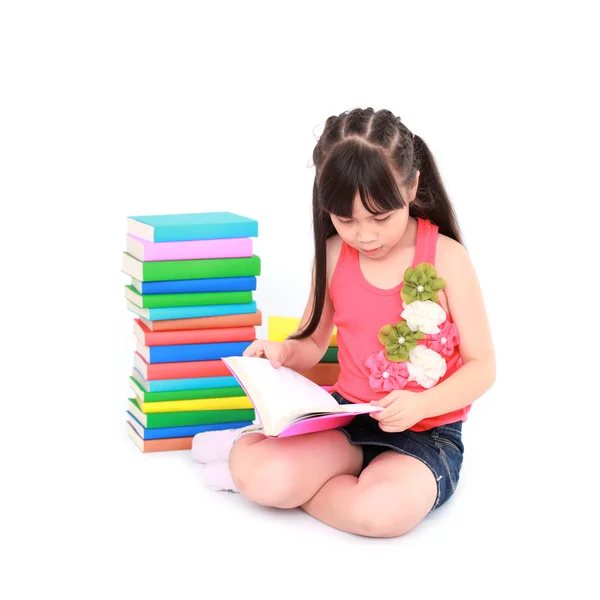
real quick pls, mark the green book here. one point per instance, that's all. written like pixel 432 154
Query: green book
pixel 331 355
pixel 192 417
pixel 197 299
pixel 224 392
pixel 176 270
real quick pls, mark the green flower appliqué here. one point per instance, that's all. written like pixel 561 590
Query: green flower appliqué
pixel 399 340
pixel 421 283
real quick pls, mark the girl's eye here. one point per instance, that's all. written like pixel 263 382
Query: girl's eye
pixel 384 219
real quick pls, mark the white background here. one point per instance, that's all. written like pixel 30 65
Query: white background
pixel 110 109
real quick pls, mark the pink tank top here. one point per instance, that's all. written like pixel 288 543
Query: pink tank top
pixel 367 370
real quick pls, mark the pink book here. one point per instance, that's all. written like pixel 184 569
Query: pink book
pixel 222 248
pixel 288 403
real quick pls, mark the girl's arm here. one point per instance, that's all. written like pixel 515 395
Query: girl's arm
pixel 306 353
pixel 465 302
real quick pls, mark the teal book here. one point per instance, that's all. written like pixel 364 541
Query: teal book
pixel 192 226
pixel 191 312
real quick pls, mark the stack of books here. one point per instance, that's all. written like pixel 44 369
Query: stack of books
pixel 327 371
pixel 192 278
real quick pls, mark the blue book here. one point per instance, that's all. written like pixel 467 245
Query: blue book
pixel 190 352
pixel 191 286
pixel 188 312
pixel 177 385
pixel 192 226
pixel 159 433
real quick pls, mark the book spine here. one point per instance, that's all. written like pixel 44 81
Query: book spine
pixel 201 269
pixel 222 321
pixel 189 430
pixel 200 417
pixel 197 249
pixel 195 286
pixel 232 389
pixel 183 370
pixel 210 231
pixel 200 299
pixel 193 352
pixel 159 445
pixel 193 336
pixel 189 312
pixel 227 403
pixel 215 388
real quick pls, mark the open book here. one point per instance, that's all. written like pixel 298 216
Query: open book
pixel 288 403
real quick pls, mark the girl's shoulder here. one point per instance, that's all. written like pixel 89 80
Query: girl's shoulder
pixel 450 255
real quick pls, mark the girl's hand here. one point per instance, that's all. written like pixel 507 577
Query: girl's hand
pixel 277 352
pixel 401 410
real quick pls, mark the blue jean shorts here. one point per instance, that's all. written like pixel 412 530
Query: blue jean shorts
pixel 440 448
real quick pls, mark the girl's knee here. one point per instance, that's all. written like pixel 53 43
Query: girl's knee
pixel 264 479
pixel 381 516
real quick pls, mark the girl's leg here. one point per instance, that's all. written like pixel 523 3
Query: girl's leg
pixel 391 496
pixel 287 472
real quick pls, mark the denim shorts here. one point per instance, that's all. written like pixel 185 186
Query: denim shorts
pixel 440 448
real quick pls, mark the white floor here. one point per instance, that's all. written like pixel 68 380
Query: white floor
pixel 112 521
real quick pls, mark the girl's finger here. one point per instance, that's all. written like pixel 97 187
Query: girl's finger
pixel 385 401
pixel 386 413
pixel 391 428
pixel 254 349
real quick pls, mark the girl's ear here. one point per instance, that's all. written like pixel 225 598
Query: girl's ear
pixel 415 186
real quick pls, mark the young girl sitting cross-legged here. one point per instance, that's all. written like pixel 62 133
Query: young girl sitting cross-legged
pixel 392 274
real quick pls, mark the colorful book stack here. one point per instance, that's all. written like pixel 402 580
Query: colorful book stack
pixel 192 278
pixel 327 371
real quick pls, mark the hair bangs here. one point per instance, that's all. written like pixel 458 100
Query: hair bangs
pixel 357 167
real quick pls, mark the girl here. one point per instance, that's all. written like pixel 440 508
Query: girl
pixel 392 274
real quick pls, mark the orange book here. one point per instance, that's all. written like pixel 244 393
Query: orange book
pixel 180 370
pixel 323 373
pixel 249 320
pixel 192 336
pixel 183 443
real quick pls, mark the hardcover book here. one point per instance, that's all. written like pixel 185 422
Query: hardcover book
pixel 187 418
pixel 188 312
pixel 199 299
pixel 246 319
pixel 287 402
pixel 224 248
pixel 193 286
pixel 191 226
pixel 190 352
pixel 191 336
pixel 163 270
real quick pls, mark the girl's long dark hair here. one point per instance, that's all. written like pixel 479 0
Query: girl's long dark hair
pixel 359 151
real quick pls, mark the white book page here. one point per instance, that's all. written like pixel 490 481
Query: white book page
pixel 282 391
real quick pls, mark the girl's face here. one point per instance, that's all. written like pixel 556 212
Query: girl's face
pixel 375 235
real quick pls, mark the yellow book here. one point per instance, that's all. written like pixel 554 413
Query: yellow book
pixel 228 403
pixel 281 327
pixel 202 404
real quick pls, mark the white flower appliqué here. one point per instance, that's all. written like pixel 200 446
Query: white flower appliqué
pixel 426 366
pixel 424 316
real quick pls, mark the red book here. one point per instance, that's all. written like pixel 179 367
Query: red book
pixel 248 320
pixel 180 370
pixel 191 336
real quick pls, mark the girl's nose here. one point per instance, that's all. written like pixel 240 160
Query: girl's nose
pixel 366 237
